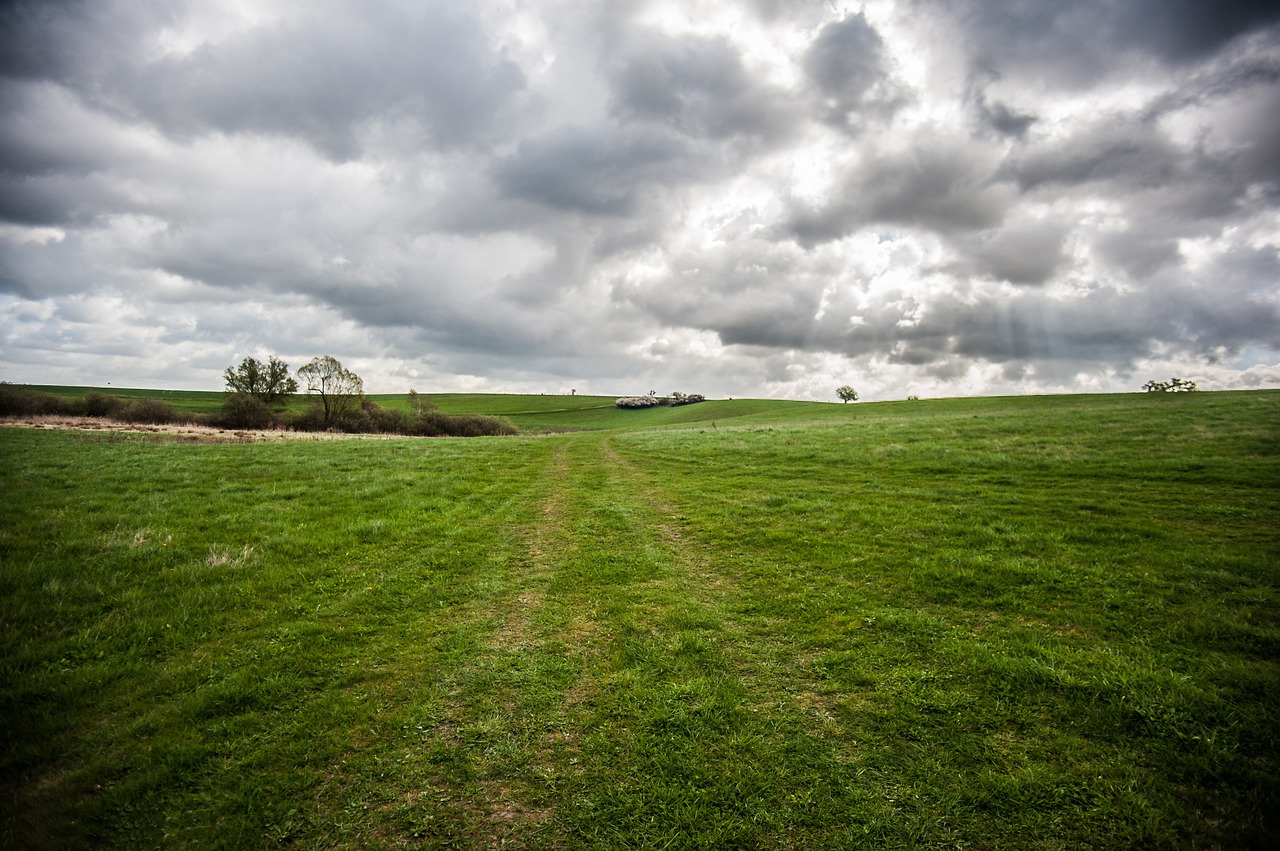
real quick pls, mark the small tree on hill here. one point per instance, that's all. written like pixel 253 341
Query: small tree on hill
pixel 339 391
pixel 847 394
pixel 268 382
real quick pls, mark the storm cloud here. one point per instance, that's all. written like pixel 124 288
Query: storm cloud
pixel 733 197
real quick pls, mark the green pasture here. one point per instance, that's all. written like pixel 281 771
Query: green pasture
pixel 188 401
pixel 1034 622
pixel 532 414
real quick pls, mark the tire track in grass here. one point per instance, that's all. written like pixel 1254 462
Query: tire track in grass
pixel 501 745
pixel 523 707
pixel 679 737
pixel 618 699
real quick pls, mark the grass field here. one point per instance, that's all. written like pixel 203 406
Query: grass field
pixel 532 414
pixel 1040 622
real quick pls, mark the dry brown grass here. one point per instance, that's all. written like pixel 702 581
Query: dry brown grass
pixel 177 432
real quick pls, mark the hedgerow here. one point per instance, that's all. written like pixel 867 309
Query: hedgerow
pixel 244 411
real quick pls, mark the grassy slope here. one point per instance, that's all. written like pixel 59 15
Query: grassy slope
pixel 191 401
pixel 1002 623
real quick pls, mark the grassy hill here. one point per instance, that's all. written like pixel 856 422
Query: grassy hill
pixel 1033 622
pixel 530 413
pixel 534 414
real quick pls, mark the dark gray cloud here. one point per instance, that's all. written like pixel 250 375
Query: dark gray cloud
pixel 1030 251
pixel 593 171
pixel 756 197
pixel 1077 43
pixel 322 77
pixel 1185 30
pixel 848 65
pixel 696 86
pixel 932 181
pixel 1114 152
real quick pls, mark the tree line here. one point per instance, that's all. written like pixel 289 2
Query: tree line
pixel 259 396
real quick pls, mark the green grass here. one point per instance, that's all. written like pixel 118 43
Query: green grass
pixel 531 414
pixel 994 623
pixel 188 401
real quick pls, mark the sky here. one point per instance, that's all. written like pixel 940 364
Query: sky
pixel 739 198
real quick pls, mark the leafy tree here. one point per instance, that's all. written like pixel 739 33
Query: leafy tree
pixel 847 394
pixel 340 391
pixel 269 383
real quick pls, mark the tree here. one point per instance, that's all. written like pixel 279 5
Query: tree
pixel 420 404
pixel 269 383
pixel 340 391
pixel 847 394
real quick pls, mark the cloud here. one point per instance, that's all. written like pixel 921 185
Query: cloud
pixel 848 65
pixel 1076 44
pixel 933 180
pixel 593 171
pixel 1027 251
pixel 735 197
pixel 326 77
pixel 697 86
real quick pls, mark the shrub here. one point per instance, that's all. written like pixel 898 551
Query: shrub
pixel 1177 385
pixel 480 425
pixel 372 418
pixel 687 398
pixel 101 405
pixel 147 410
pixel 636 402
pixel 16 401
pixel 436 423
pixel 310 418
pixel 242 410
pixel 430 423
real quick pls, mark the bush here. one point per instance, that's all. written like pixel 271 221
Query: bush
pixel 372 418
pixel 241 410
pixel 674 400
pixel 16 401
pixel 147 410
pixel 310 418
pixel 436 423
pixel 101 405
pixel 1177 385
pixel 425 421
pixel 636 402
pixel 480 425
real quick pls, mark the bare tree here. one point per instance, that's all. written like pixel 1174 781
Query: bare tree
pixel 338 390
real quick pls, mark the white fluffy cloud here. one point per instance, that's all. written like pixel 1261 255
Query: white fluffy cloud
pixel 734 198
